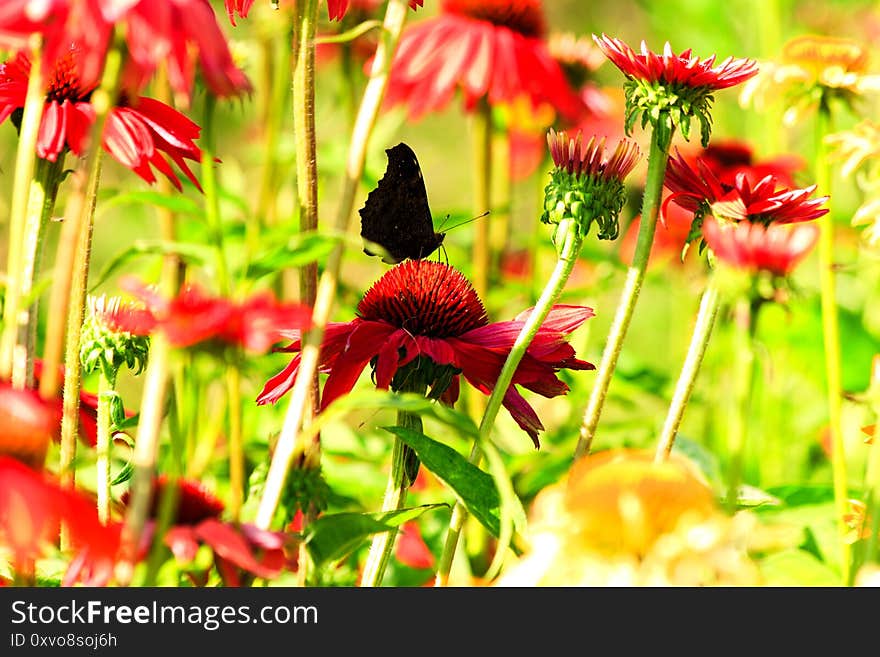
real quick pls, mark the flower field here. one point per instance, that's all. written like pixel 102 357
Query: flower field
pixel 439 293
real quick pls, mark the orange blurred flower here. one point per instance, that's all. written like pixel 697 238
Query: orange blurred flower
pixel 621 519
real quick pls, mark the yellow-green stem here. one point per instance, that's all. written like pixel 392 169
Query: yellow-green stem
pixel 236 441
pixel 744 322
pixel 41 204
pixel 635 275
pixel 499 226
pixel 24 172
pixel 75 315
pixel 146 448
pixel 276 74
pixel 286 448
pixel 78 214
pixel 831 341
pixel 571 247
pixel 482 160
pixel 306 154
pixel 106 393
pixel 687 378
pixel 212 199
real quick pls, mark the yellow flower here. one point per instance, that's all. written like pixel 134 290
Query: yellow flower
pixel 619 519
pixel 812 70
pixel 855 147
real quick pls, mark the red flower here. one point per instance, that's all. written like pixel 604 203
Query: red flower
pixel 487 49
pixel 176 33
pixel 236 547
pixel 27 424
pixel 240 7
pixel 728 158
pixel 26 419
pixel 336 8
pixel 683 69
pixel 764 201
pixel 193 317
pixel 426 309
pixel 32 508
pixel 137 133
pixel 776 248
pixel 725 160
pixel 411 549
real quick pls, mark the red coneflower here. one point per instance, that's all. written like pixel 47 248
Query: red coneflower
pixel 236 548
pixel 762 202
pixel 725 159
pixel 668 90
pixel 486 49
pixel 194 317
pixel 176 33
pixel 138 131
pixel 776 248
pixel 427 310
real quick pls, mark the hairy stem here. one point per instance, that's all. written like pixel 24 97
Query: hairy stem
pixel 635 275
pixel 25 158
pixel 287 447
pixel 709 304
pixel 567 257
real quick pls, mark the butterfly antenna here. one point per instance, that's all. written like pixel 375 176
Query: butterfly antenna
pixel 466 221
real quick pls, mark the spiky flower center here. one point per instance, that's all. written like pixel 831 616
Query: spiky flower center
pixel 65 83
pixel 426 298
pixel 523 16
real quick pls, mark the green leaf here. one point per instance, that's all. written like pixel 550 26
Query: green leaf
pixel 193 254
pixel 333 536
pixel 476 489
pixel 297 251
pixel 123 475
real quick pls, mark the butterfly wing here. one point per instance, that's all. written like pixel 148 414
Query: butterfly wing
pixel 396 215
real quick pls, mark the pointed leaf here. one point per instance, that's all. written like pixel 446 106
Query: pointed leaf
pixel 476 489
pixel 194 254
pixel 333 536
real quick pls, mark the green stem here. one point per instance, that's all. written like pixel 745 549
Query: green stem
pixel 236 441
pixel 831 341
pixel 106 393
pixel 687 378
pixel 382 544
pixel 41 205
pixel 212 200
pixel 75 316
pixel 744 323
pixel 482 160
pixel 306 154
pixel 77 221
pixel 499 226
pixel 568 254
pixel 277 76
pixel 287 446
pixel 146 449
pixel 635 275
pixel 25 157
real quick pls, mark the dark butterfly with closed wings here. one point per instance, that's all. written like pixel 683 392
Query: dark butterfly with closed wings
pixel 396 221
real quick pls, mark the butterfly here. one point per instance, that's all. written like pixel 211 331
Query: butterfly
pixel 396 219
